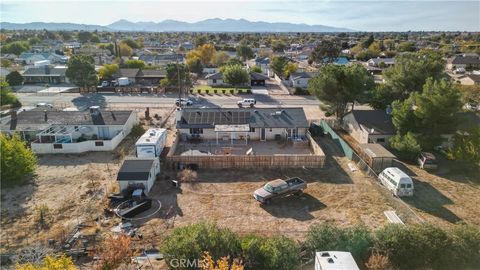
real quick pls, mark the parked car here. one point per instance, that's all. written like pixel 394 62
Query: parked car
pixel 183 102
pixel 104 84
pixel 44 105
pixel 279 188
pixel 246 102
pixel 427 161
pixel 398 182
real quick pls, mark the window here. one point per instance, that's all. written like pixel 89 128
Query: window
pixel 76 128
pixel 252 129
pixel 100 143
pixel 402 185
pixel 381 140
pixel 57 146
pixel 409 185
pixel 196 131
pixel 214 80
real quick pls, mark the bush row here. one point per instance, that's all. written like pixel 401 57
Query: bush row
pixel 220 91
pixel 405 247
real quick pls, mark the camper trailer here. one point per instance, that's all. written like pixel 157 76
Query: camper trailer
pixel 335 260
pixel 398 182
pixel 151 143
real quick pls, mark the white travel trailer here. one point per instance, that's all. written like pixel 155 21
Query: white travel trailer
pixel 151 143
pixel 335 260
pixel 398 182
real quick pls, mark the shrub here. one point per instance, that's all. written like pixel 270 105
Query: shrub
pixel 414 247
pixel 17 160
pixel 357 240
pixel 115 251
pixel 224 91
pixel 50 263
pixel 14 78
pixel 465 240
pixel 7 97
pixel 232 91
pixel 378 261
pixel 187 175
pixel 137 130
pixel 190 242
pixel 270 253
pixel 206 91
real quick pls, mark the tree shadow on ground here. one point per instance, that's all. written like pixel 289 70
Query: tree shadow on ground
pixel 85 101
pixel 296 207
pixel 428 199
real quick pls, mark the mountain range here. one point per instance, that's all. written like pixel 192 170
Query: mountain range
pixel 209 25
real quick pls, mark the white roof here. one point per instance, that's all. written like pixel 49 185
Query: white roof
pixel 396 172
pixel 335 260
pixel 151 136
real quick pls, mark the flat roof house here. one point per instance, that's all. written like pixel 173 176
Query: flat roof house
pixel 238 124
pixel 51 131
pixel 369 126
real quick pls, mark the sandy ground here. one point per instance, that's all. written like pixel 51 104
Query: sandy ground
pixel 74 188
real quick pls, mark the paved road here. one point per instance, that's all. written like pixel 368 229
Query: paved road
pixel 83 101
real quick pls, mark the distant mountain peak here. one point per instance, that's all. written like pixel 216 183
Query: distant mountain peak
pixel 169 25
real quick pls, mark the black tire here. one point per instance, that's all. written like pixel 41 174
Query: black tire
pixel 298 193
pixel 251 105
pixel 267 201
pixel 239 105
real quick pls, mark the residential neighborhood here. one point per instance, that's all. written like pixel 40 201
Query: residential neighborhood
pixel 240 143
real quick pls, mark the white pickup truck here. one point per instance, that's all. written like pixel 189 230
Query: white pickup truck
pixel 279 188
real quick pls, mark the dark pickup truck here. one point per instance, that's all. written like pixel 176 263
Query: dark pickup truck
pixel 279 188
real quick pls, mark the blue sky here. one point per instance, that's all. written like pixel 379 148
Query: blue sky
pixel 374 15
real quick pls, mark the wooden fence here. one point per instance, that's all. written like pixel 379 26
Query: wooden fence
pixel 226 161
pixel 315 160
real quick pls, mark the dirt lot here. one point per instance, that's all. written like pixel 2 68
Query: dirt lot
pixel 444 197
pixel 74 187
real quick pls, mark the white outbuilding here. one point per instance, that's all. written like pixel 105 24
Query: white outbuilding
pixel 138 173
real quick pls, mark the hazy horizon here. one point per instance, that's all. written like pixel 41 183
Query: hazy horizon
pixel 420 15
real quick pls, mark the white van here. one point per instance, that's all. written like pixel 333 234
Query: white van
pixel 398 182
pixel 246 102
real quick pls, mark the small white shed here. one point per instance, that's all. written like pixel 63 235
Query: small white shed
pixel 335 260
pixel 138 173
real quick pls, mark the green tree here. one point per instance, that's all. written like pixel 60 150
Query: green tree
pixel 14 78
pixel 406 146
pixel 134 64
pixel 406 46
pixel 16 47
pixel 17 160
pixel 137 131
pixel 281 253
pixel 278 64
pixel 244 51
pixel 107 46
pixel 84 36
pixel 5 63
pixel 428 114
pixel 81 70
pixel 289 69
pixel 190 242
pixel 368 41
pixel 107 71
pixel 235 75
pixel 176 72
pixel 195 65
pixel 200 40
pixel 7 97
pixel 466 148
pixel 131 43
pixel 233 61
pixel 125 50
pixel 220 58
pixel 278 46
pixel 327 51
pixel 411 71
pixel 336 86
